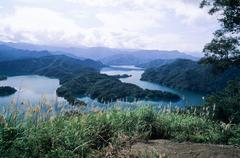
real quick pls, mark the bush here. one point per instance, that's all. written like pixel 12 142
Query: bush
pixel 226 103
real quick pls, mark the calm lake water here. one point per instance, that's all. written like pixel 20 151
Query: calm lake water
pixel 34 90
pixel 31 90
pixel 188 97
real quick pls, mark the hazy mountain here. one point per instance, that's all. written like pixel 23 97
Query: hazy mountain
pixel 84 52
pixel 9 53
pixel 122 59
pixel 156 63
pixel 144 56
pixel 108 56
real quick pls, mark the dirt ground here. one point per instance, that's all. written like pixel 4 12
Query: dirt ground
pixel 169 149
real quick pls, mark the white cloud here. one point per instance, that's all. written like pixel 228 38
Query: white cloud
pixel 187 8
pixel 38 19
pixel 149 24
pixel 129 20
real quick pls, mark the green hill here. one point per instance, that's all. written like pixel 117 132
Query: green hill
pixel 189 75
pixel 81 78
pixel 105 89
pixel 56 66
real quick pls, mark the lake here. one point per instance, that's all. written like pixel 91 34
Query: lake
pixel 34 90
pixel 188 98
pixel 31 90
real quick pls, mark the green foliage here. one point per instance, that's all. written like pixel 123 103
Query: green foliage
pixel 5 91
pixel 87 135
pixel 230 11
pixel 108 89
pixel 80 78
pixel 190 75
pixel 223 50
pixel 227 103
pixel 57 66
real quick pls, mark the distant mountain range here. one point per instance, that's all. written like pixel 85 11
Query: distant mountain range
pixel 108 56
pixel 9 53
pixel 156 63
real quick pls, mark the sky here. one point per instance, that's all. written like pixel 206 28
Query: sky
pixel 132 24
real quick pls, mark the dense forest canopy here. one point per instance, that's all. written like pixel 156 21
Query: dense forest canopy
pixel 56 66
pixel 190 75
pixel 106 89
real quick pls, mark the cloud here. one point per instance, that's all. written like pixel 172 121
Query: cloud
pixel 148 24
pixel 187 8
pixel 38 19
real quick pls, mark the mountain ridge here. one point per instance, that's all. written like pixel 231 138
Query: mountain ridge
pixel 107 55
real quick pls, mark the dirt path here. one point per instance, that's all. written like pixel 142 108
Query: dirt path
pixel 169 149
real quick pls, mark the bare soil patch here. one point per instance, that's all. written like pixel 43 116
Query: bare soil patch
pixel 169 149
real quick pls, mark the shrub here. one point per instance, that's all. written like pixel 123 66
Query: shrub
pixel 227 103
pixel 90 134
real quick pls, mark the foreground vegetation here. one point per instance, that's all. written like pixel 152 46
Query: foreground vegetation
pixel 104 133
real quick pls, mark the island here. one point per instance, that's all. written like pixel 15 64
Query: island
pixel 6 91
pixel 2 77
pixel 80 78
pixel 107 89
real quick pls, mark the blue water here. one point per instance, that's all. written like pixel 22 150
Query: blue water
pixel 188 98
pixel 31 90
pixel 34 90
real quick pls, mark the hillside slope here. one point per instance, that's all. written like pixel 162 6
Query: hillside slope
pixel 58 66
pixel 81 78
pixel 189 75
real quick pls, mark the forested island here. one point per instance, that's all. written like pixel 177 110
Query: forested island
pixel 6 91
pixel 82 78
pixel 2 77
pixel 106 89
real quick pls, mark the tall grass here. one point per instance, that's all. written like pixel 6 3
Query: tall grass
pixel 99 133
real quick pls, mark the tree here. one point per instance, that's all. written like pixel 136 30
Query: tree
pixel 227 103
pixel 223 51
